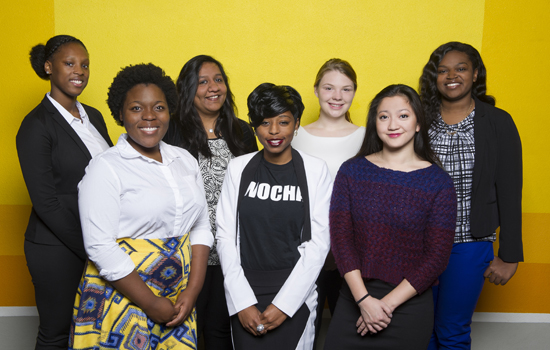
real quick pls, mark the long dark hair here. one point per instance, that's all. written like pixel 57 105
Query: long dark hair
pixel 372 143
pixel 188 122
pixel 429 94
pixel 339 65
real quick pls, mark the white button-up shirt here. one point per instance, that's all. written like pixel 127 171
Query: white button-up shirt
pixel 94 142
pixel 127 195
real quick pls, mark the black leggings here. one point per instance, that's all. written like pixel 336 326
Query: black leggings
pixel 410 327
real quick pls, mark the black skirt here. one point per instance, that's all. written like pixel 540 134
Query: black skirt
pixel 410 327
pixel 266 285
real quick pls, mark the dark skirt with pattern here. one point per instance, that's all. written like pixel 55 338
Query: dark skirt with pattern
pixel 103 318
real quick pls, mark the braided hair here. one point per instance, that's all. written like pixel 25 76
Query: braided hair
pixel 41 53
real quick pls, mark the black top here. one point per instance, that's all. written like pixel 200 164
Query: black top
pixel 53 159
pixel 271 217
pixel 497 180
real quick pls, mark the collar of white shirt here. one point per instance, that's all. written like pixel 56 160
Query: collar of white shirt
pixel 68 116
pixel 128 151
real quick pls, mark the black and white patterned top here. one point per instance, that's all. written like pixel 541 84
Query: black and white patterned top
pixel 213 171
pixel 455 147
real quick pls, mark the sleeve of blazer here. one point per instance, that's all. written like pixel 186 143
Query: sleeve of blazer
pixel 509 183
pixel 313 253
pixel 238 293
pixel 34 148
pixel 99 123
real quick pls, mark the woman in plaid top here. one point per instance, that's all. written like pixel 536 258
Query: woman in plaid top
pixel 479 146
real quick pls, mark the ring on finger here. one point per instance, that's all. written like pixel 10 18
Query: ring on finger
pixel 260 328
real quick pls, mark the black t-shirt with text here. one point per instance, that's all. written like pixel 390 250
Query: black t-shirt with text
pixel 271 217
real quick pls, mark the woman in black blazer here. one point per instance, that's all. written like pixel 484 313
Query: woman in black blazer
pixel 55 142
pixel 479 146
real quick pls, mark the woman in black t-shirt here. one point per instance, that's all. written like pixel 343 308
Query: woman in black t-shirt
pixel 272 223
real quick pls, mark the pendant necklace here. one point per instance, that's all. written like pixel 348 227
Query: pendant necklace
pixel 452 133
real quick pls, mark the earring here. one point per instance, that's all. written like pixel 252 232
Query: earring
pixel 48 73
pixel 295 132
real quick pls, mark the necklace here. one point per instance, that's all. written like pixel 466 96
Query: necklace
pixel 210 130
pixel 447 128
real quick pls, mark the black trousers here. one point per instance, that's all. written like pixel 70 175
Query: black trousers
pixel 212 315
pixel 410 327
pixel 329 283
pixel 56 273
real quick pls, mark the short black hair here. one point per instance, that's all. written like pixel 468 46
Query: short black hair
pixel 131 76
pixel 269 100
pixel 41 53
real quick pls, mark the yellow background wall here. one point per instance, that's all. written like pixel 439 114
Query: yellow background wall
pixel 386 42
pixel 24 23
pixel 515 48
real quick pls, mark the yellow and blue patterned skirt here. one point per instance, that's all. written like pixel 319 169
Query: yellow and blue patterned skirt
pixel 103 318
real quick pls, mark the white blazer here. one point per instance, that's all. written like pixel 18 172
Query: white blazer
pixel 300 285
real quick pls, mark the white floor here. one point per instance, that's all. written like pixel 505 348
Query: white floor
pixel 499 336
pixel 495 335
pixel 18 333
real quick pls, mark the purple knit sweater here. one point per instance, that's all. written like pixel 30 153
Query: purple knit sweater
pixel 391 224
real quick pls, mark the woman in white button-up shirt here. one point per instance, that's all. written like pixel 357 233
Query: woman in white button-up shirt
pixel 143 214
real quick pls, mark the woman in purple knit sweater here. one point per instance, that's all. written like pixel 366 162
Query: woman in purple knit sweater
pixel 392 220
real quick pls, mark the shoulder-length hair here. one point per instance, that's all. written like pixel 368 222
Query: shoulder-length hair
pixel 339 65
pixel 429 94
pixel 192 135
pixel 372 142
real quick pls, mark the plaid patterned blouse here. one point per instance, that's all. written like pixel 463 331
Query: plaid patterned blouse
pixel 454 145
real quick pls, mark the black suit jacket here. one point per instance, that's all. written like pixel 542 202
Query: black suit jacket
pixel 497 180
pixel 53 159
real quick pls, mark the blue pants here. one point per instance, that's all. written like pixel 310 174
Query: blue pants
pixel 456 296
